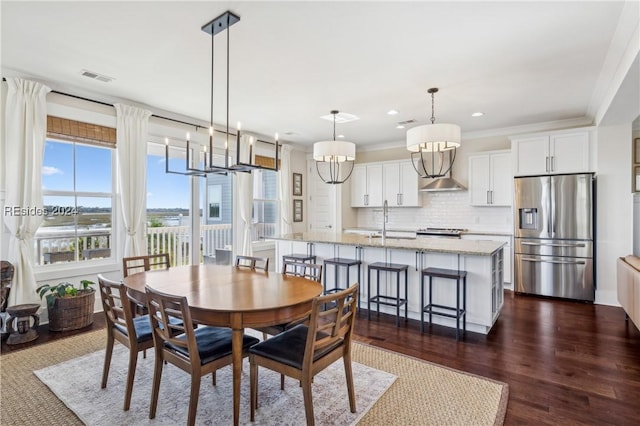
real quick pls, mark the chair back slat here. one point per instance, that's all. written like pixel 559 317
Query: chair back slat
pixel 162 308
pixel 116 304
pixel 312 271
pixel 328 327
pixel 135 264
pixel 252 262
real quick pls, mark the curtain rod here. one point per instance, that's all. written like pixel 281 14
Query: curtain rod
pixel 197 126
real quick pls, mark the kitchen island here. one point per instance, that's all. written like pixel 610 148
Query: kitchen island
pixel 483 261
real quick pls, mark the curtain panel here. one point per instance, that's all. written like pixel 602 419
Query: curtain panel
pixel 284 190
pixel 132 133
pixel 25 133
pixel 245 207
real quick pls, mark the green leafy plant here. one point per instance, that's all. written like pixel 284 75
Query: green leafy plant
pixel 63 289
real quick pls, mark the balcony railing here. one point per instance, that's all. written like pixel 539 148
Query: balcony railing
pixel 53 246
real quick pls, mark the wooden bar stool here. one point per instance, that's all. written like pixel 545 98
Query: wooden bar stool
pixel 380 299
pixel 446 311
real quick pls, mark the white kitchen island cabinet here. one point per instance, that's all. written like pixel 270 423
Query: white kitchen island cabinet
pixel 483 261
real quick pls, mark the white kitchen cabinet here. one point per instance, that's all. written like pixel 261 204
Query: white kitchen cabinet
pixel 508 251
pixel 552 153
pixel 400 184
pixel 490 179
pixel 366 185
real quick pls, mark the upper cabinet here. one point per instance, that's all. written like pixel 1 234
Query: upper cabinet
pixel 552 153
pixel 400 184
pixel 394 181
pixel 490 179
pixel 366 185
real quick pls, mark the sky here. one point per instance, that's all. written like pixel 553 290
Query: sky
pixel 93 174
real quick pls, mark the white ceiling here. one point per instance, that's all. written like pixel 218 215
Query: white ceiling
pixel 520 63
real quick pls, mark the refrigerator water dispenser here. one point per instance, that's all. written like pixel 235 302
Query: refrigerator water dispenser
pixel 528 218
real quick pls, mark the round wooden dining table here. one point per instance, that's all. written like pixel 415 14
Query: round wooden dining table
pixel 227 296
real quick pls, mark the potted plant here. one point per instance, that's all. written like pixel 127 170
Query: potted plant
pixel 69 308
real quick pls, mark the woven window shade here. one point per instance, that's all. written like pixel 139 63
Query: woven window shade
pixel 77 131
pixel 260 160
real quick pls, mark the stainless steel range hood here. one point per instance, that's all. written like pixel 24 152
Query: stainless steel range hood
pixel 443 184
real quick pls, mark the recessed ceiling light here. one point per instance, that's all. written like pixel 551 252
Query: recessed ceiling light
pixel 400 126
pixel 341 136
pixel 392 112
pixel 477 114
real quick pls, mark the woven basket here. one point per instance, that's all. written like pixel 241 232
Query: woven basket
pixel 72 313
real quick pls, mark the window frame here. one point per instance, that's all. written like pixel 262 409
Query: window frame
pixel 78 262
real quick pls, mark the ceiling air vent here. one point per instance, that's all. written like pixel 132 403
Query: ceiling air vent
pixel 402 123
pixel 341 117
pixel 96 76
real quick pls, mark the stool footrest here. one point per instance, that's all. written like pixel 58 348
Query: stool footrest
pixel 333 290
pixel 388 300
pixel 429 309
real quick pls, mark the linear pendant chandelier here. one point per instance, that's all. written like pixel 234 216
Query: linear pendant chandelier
pixel 429 142
pixel 334 159
pixel 248 149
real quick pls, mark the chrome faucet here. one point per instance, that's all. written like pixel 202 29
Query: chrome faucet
pixel 385 219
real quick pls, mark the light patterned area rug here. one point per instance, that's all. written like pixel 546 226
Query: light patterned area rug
pixel 79 389
pixel 423 394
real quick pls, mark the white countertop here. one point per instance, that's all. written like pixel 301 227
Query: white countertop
pixel 440 245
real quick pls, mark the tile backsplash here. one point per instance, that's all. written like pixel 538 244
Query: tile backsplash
pixel 441 210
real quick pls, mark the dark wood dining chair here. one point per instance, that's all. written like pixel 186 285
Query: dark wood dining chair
pixel 134 333
pixel 197 351
pixel 252 262
pixel 305 350
pixel 134 264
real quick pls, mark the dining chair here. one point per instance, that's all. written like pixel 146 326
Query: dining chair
pixel 252 262
pixel 134 264
pixel 132 332
pixel 305 350
pixel 312 271
pixel 197 351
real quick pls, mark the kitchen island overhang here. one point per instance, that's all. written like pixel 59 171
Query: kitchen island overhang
pixel 483 261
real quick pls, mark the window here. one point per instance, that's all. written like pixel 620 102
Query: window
pixel 168 206
pixel 265 204
pixel 78 201
pixel 215 201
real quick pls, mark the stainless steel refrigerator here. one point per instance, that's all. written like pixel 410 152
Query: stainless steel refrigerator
pixel 554 235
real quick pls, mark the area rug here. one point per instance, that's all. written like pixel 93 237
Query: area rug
pixel 424 393
pixel 76 387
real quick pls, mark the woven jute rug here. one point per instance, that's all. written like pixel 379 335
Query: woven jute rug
pixel 423 393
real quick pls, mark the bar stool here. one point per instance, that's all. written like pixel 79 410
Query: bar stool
pixel 380 299
pixel 338 262
pixel 443 310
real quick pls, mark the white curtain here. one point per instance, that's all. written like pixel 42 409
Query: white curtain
pixel 245 207
pixel 284 190
pixel 25 133
pixel 132 135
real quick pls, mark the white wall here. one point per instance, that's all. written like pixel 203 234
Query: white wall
pixel 614 207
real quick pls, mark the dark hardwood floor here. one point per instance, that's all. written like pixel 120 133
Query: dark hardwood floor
pixel 565 362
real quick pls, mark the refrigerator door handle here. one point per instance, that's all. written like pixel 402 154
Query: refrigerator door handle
pixel 527 243
pixel 561 262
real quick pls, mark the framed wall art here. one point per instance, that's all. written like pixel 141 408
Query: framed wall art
pixel 297 210
pixel 297 184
